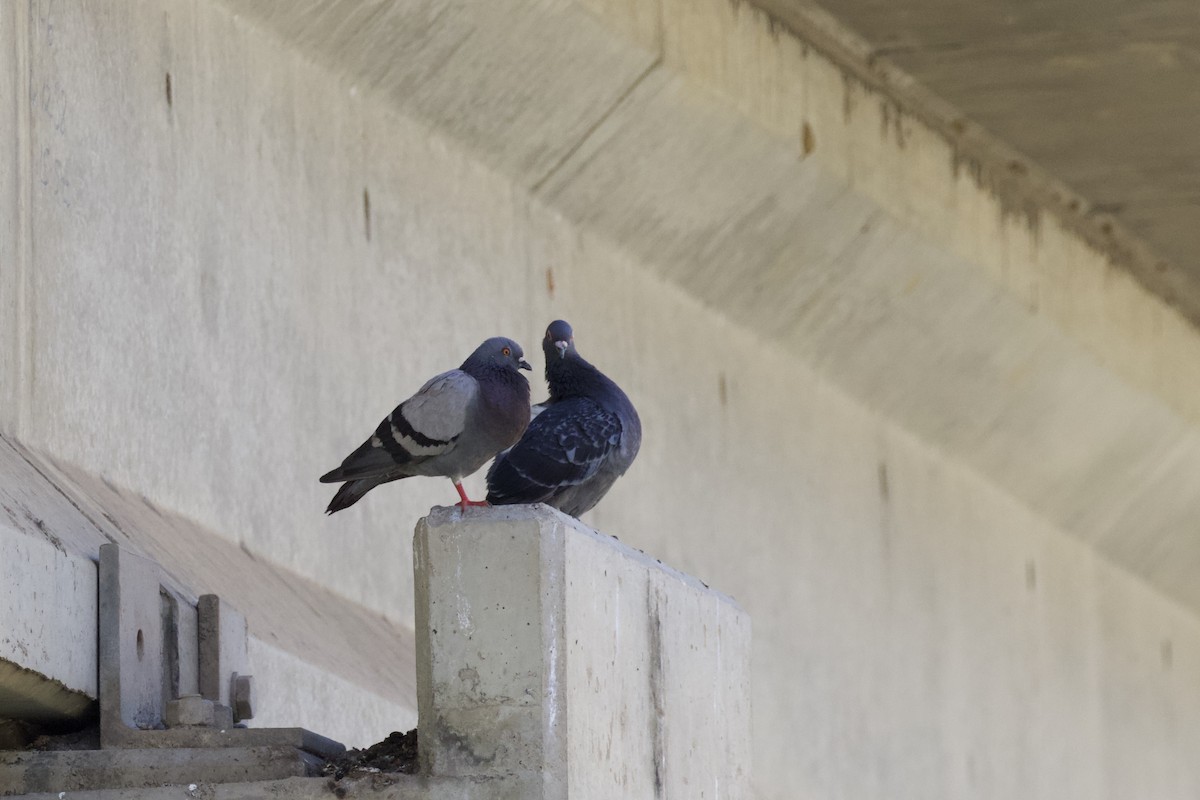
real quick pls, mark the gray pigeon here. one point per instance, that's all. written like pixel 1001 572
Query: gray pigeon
pixel 579 442
pixel 450 427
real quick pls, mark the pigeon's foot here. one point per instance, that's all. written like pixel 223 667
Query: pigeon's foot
pixel 466 501
pixel 463 505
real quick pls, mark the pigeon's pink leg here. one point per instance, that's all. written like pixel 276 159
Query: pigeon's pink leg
pixel 466 501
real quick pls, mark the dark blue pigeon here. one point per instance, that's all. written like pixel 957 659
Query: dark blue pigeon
pixel 450 427
pixel 579 442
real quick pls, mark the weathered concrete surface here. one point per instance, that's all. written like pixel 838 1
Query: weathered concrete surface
pixel 222 648
pixel 219 285
pixel 873 248
pixel 15 133
pixel 379 787
pixel 48 636
pixel 131 640
pixel 1058 377
pixel 311 642
pixel 32 772
pixel 547 650
pixel 1102 94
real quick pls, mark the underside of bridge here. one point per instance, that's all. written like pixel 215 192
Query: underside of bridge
pixel 907 292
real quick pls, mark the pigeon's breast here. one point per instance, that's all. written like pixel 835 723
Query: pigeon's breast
pixel 506 407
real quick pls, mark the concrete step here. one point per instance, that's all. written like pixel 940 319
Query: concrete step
pixel 24 772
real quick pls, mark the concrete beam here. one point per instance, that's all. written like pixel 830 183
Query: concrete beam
pixel 54 520
pixel 549 652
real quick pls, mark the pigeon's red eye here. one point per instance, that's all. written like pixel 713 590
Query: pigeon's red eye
pixel 506 352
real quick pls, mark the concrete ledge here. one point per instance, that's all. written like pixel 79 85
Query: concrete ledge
pixel 125 769
pixel 380 787
pixel 546 650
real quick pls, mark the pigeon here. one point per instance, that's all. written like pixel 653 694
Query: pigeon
pixel 450 427
pixel 579 441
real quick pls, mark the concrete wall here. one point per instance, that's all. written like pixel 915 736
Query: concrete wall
pixel 212 293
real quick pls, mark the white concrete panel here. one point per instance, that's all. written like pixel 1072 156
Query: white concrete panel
pixel 611 722
pixel 48 612
pixel 700 659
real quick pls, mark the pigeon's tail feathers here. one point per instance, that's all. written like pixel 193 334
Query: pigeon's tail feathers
pixel 350 493
pixel 355 472
pixel 370 460
pixel 353 491
pixel 507 483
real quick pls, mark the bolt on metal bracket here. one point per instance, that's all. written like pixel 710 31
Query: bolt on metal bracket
pixel 145 667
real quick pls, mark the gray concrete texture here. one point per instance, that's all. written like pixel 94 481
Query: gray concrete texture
pixel 377 787
pixel 547 649
pixel 935 439
pixel 222 648
pixel 130 635
pixel 1101 92
pixel 56 519
pixel 24 773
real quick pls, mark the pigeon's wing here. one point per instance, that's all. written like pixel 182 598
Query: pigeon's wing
pixel 427 424
pixel 564 446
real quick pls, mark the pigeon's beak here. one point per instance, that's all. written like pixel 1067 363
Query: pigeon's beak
pixel 562 348
pixel 523 364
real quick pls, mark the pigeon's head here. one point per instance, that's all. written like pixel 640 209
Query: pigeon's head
pixel 559 341
pixel 498 352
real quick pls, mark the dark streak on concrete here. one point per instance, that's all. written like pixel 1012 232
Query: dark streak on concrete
pixel 367 213
pixel 808 140
pixel 600 120
pixel 55 484
pixel 657 689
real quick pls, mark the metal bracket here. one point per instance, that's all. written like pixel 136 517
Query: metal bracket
pixel 146 668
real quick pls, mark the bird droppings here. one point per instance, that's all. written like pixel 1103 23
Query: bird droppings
pixel 396 753
pixel 550 282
